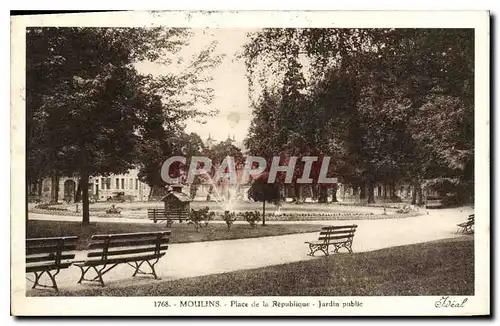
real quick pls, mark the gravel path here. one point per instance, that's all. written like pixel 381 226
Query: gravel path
pixel 204 258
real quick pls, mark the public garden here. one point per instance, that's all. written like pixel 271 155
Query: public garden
pixel 104 219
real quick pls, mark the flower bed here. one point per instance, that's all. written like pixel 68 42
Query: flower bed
pixel 64 212
pixel 333 216
pixel 312 216
pixel 376 205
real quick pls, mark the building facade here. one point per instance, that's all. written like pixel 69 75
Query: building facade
pixel 101 188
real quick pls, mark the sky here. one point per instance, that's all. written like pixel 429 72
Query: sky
pixel 229 83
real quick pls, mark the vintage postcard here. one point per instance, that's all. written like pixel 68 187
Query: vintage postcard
pixel 179 163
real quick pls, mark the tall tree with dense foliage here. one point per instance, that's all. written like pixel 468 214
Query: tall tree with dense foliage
pixel 374 96
pixel 88 107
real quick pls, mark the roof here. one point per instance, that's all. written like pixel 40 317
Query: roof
pixel 178 195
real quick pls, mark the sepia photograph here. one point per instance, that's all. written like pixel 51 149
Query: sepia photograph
pixel 246 167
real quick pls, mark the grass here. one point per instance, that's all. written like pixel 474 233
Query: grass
pixel 435 268
pixel 181 232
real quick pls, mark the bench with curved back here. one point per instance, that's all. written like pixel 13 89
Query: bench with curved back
pixel 466 227
pixel 159 215
pixel 48 256
pixel 333 236
pixel 106 251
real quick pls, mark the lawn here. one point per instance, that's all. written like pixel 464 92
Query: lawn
pixel 181 232
pixel 436 268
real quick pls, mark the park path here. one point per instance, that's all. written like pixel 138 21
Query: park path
pixel 213 257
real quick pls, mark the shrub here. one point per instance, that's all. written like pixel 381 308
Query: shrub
pixel 200 217
pixel 229 218
pixel 404 210
pixel 50 207
pixel 113 210
pixel 252 218
pixel 208 216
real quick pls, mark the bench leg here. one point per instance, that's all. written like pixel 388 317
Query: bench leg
pixel 312 249
pixel 138 269
pixel 315 247
pixel 348 246
pixel 84 271
pixel 99 272
pixel 37 278
pixel 152 265
pixel 52 277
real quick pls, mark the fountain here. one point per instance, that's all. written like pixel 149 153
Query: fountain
pixel 226 194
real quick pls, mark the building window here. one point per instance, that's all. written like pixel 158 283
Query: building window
pixel 102 183
pixel 123 183
pixel 136 184
pixel 108 183
pixel 130 183
pixel 117 183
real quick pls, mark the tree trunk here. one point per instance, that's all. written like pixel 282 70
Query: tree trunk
pixel 150 193
pixel 416 198
pixel 78 193
pixel 334 188
pixel 418 190
pixel 54 188
pixel 297 192
pixel 392 190
pixel 264 213
pixel 323 194
pixel 84 182
pixel 315 192
pixel 371 193
pixel 40 187
pixel 362 193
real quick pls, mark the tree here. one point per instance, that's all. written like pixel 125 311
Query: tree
pixel 370 94
pixel 262 191
pixel 91 104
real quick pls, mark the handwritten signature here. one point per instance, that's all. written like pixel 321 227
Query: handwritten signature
pixel 446 302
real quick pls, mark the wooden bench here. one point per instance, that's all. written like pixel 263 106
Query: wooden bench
pixel 106 251
pixel 336 236
pixel 49 256
pixel 466 227
pixel 158 215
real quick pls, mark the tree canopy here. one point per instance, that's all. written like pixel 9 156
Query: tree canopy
pixel 89 110
pixel 372 99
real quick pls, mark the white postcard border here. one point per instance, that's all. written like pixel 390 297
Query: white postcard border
pixel 477 304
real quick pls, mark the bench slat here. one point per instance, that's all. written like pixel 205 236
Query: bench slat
pixel 49 249
pixel 336 232
pixel 127 251
pixel 339 227
pixel 45 267
pixel 50 241
pixel 130 235
pixel 119 260
pixel 336 237
pixel 50 257
pixel 95 244
pixel 126 243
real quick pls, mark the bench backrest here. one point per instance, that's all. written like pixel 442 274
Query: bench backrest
pixel 335 233
pixel 161 214
pixel 58 250
pixel 471 217
pixel 107 246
